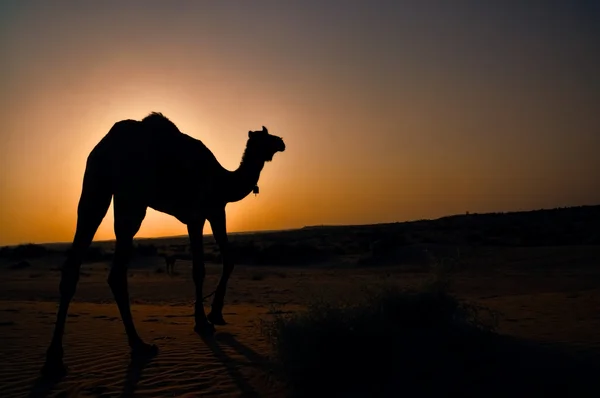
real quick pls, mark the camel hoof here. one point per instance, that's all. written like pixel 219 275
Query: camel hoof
pixel 216 319
pixel 205 329
pixel 144 351
pixel 54 369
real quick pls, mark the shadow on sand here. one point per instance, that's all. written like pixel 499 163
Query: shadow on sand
pixel 42 386
pixel 256 360
pixel 134 373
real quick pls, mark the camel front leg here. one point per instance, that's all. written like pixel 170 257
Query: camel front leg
pixel 195 231
pixel 218 225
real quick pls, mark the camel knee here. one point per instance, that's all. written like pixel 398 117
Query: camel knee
pixel 68 285
pixel 68 280
pixel 117 277
pixel 199 273
pixel 227 271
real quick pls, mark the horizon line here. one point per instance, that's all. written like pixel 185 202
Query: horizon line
pixel 320 226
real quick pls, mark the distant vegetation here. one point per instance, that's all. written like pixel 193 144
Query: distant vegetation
pixel 415 243
pixel 389 339
pixel 20 252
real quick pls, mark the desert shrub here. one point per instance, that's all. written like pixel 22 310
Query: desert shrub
pixel 212 257
pixel 20 265
pixel 389 253
pixel 340 250
pixel 388 335
pixel 289 254
pixel 146 250
pixel 244 252
pixel 593 240
pixel 272 253
pixel 96 254
pixel 30 251
pixel 22 252
pixel 241 252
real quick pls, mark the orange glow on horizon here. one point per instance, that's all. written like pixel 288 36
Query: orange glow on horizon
pixel 384 119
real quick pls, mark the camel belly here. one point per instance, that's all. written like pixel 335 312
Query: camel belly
pixel 183 203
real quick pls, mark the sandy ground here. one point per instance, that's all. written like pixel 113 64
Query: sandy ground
pixel 556 306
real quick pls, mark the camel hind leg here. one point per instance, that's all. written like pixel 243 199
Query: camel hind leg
pixel 129 214
pixel 93 204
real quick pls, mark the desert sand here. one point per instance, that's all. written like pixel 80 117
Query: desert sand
pixel 547 295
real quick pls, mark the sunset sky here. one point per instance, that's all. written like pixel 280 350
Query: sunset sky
pixel 390 110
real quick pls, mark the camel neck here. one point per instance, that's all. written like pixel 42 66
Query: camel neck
pixel 243 180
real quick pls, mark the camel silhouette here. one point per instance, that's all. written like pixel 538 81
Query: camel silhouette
pixel 170 260
pixel 150 163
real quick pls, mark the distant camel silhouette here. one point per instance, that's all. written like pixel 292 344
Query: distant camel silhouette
pixel 150 163
pixel 170 260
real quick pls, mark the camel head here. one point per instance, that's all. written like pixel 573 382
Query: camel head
pixel 264 145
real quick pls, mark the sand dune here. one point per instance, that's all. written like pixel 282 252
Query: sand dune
pixel 230 364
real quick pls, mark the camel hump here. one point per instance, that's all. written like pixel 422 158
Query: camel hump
pixel 156 121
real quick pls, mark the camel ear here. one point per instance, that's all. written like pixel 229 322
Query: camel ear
pixel 265 130
pixel 250 134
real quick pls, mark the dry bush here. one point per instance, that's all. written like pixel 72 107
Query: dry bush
pixel 390 334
